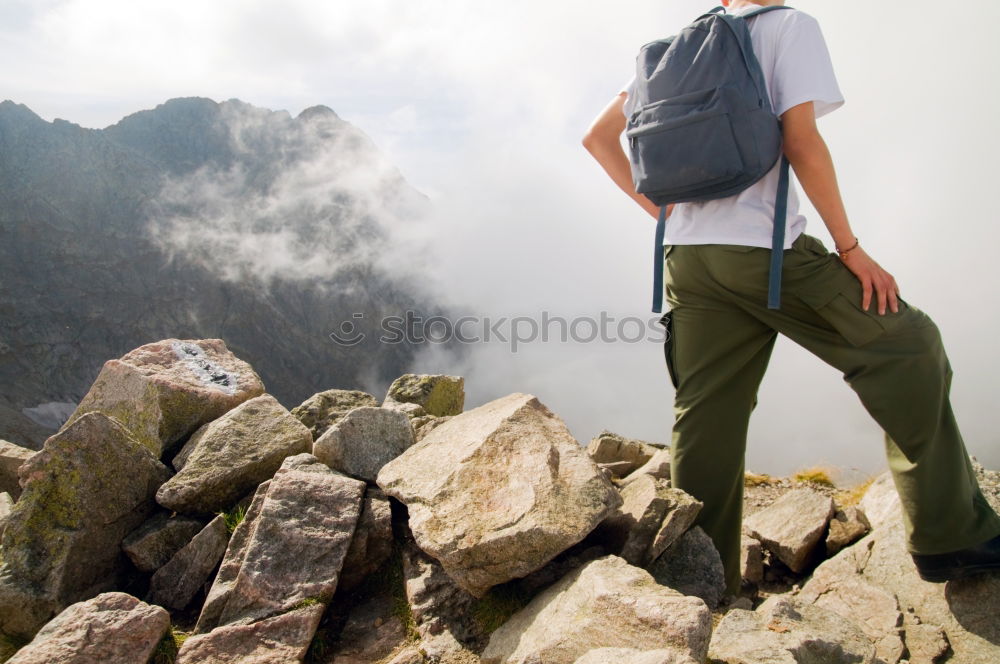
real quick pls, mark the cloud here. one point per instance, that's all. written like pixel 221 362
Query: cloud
pixel 482 107
pixel 301 200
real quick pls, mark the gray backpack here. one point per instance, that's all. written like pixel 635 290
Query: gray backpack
pixel 703 126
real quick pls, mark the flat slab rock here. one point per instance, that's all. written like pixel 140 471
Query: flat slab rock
pixel 176 583
pixel 281 639
pixel 289 548
pixel 154 543
pixel 785 631
pixel 91 485
pixel 498 491
pixel 112 628
pixel 232 455
pixel 163 391
pixel 793 526
pixel 606 603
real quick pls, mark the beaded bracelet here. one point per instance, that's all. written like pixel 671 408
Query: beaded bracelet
pixel 843 254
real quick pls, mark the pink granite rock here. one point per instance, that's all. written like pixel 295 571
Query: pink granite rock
pixel 165 390
pixel 90 486
pixel 498 491
pixel 282 639
pixel 112 628
pixel 292 549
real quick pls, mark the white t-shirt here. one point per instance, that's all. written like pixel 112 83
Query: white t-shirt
pixel 793 55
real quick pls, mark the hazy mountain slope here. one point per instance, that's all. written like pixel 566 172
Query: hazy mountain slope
pixel 194 219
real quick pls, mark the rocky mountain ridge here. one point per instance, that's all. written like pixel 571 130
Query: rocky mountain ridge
pixel 183 515
pixel 194 219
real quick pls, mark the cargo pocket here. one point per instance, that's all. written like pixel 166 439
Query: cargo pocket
pixel 844 313
pixel 666 320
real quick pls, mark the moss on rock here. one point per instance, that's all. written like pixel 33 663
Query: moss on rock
pixel 437 394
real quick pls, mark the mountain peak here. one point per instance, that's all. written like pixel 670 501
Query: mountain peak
pixel 318 111
pixel 13 109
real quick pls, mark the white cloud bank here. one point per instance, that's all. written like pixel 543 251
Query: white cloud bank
pixel 482 107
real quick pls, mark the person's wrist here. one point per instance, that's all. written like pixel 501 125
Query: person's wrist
pixel 843 252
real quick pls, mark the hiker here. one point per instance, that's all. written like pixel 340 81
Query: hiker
pixel 843 307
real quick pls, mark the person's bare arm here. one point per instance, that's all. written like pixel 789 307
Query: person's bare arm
pixel 603 141
pixel 809 156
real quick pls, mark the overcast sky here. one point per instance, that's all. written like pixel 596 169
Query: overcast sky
pixel 482 107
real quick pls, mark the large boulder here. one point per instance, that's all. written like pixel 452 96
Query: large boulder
pixel 784 630
pixel 112 628
pixel 692 566
pixel 90 486
pixel 322 410
pixel 498 491
pixel 652 517
pixel 232 455
pixel 11 458
pixel 152 544
pixel 364 440
pixel 281 639
pixel 435 394
pixel 163 391
pixel 965 611
pixel 176 583
pixel 792 526
pixel 604 603
pixel 294 541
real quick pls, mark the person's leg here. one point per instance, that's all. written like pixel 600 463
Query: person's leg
pixel 716 357
pixel 898 366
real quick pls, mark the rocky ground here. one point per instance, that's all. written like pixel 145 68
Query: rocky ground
pixel 183 515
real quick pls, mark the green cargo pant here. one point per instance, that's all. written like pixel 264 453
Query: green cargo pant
pixel 720 338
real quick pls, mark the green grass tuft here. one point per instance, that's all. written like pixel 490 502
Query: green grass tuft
pixel 233 517
pixel 853 495
pixel 168 647
pixel 815 475
pixel 755 479
pixel 308 601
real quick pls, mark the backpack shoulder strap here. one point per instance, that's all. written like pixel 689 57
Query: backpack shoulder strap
pixel 712 12
pixel 762 10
